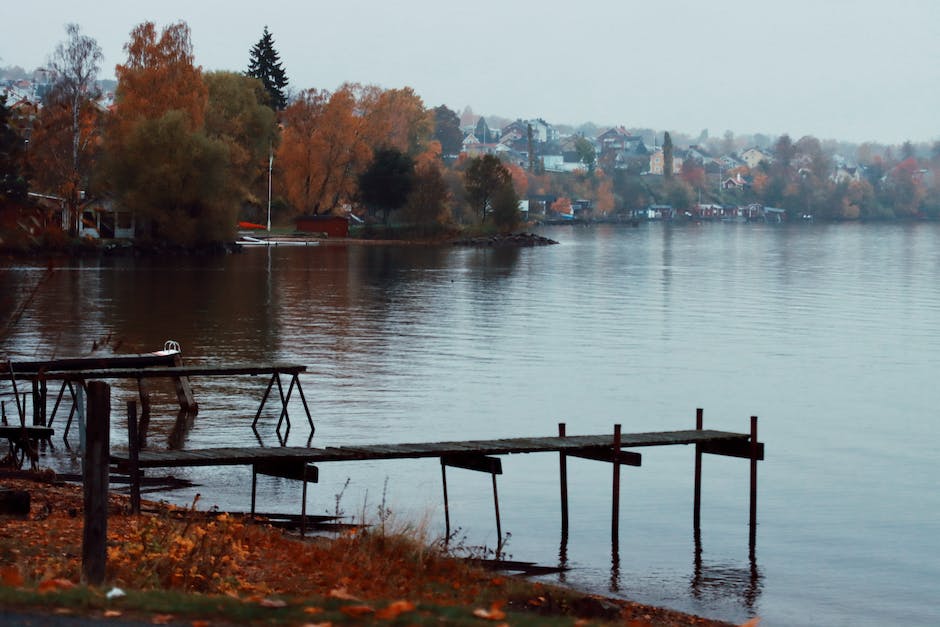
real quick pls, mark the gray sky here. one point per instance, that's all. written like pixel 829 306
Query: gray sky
pixel 859 70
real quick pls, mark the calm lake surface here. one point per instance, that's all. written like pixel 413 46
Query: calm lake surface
pixel 830 334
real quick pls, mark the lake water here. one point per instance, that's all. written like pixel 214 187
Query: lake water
pixel 830 334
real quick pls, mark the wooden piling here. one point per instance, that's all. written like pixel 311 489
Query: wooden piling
pixel 615 517
pixel 446 505
pixel 697 499
pixel 563 479
pixel 499 528
pixel 95 483
pixel 133 451
pixel 752 535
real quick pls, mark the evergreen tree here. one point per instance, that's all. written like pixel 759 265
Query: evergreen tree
pixel 265 64
pixel 667 156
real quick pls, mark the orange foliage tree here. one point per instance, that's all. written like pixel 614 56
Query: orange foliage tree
pixel 400 120
pixel 161 162
pixel 323 149
pixel 159 76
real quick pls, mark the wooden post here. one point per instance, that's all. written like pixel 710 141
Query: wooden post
pixel 95 479
pixel 184 390
pixel 563 477
pixel 752 536
pixel 133 446
pixel 499 529
pixel 41 401
pixel 3 413
pixel 446 506
pixel 37 417
pixel 615 517
pixel 697 499
pixel 143 391
pixel 80 404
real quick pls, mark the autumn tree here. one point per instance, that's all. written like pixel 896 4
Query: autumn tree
pixel 323 149
pixel 447 130
pixel 387 182
pixel 265 64
pixel 176 181
pixel 398 119
pixel 586 153
pixel 483 177
pixel 68 127
pixel 692 172
pixel 238 115
pixel 427 205
pixel 505 207
pixel 13 181
pixel 161 162
pixel 159 76
pixel 667 155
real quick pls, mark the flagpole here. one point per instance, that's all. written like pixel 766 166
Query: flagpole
pixel 270 168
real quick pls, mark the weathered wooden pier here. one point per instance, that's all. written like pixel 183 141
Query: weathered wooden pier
pixel 303 463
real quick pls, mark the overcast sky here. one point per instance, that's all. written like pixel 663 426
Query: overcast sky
pixel 858 70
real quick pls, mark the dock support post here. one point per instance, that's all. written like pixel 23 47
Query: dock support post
pixel 697 499
pixel 446 506
pixel 95 488
pixel 615 517
pixel 752 535
pixel 563 479
pixel 499 528
pixel 133 446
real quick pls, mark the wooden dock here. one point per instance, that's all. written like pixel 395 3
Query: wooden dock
pixel 575 445
pixel 300 463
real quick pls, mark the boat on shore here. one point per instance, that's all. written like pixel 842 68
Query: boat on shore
pixel 248 240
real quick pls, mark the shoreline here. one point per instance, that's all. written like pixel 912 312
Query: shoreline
pixel 55 510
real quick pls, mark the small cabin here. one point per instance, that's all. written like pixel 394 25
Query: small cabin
pixel 332 226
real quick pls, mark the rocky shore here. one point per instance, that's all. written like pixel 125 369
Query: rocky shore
pixel 509 239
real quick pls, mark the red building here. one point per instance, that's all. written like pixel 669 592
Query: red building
pixel 332 226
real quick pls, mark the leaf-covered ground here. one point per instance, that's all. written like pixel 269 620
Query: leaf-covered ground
pixel 370 575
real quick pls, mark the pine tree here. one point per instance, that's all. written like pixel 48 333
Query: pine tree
pixel 667 156
pixel 265 64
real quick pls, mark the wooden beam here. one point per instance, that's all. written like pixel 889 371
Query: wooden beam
pixel 472 461
pixel 734 448
pixel 625 458
pixel 297 470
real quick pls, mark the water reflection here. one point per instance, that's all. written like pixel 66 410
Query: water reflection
pixel 725 580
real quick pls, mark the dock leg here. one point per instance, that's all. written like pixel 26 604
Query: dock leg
pixel 55 405
pixel 303 504
pixel 264 399
pixel 254 490
pixel 133 449
pixel 499 529
pixel 563 479
pixel 615 516
pixel 303 399
pixel 752 535
pixel 697 499
pixel 446 506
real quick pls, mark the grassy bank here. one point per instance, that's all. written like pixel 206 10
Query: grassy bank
pixel 180 564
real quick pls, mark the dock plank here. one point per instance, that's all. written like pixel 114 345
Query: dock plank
pixel 414 450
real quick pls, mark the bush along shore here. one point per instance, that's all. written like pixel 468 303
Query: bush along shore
pixel 183 565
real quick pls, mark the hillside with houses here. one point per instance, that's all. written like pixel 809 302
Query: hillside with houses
pixel 83 167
